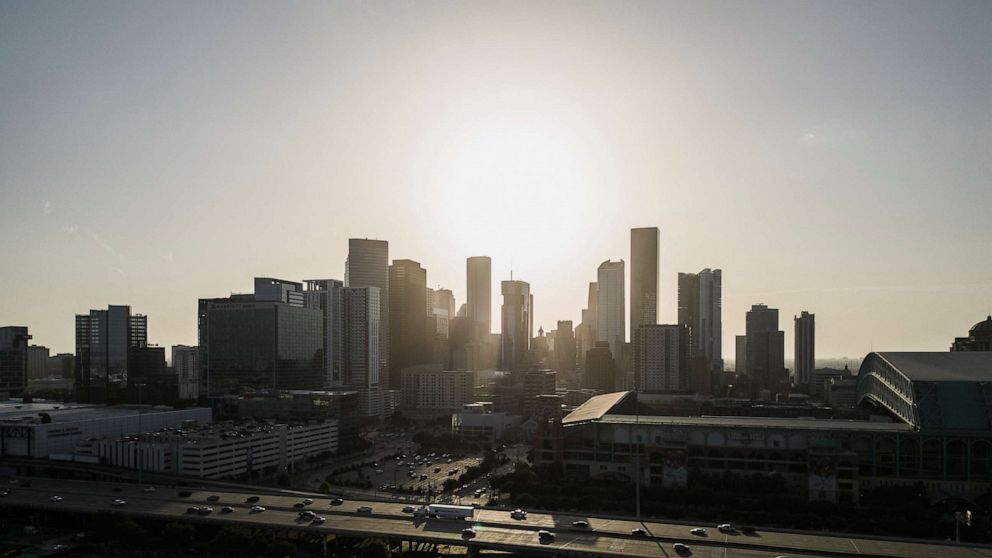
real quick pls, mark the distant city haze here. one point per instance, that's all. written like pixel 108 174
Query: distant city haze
pixel 830 157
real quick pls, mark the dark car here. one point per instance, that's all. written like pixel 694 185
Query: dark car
pixel 185 494
pixel 337 502
pixel 192 509
pixel 252 499
pixel 298 505
pixel 213 498
pixel 226 509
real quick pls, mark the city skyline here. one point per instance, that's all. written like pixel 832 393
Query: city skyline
pixel 147 178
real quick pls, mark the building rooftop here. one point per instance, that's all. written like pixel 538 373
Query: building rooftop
pixel 942 367
pixel 595 408
pixel 761 422
pixel 14 412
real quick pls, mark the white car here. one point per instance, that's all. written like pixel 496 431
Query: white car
pixel 639 532
pixel 118 503
pixel 726 528
pixel 518 514
pixel 682 549
pixel 319 519
pixel 307 501
pixel 257 509
pixel 698 531
pixel 55 499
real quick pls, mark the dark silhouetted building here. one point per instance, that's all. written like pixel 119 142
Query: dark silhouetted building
pixel 700 308
pixel 565 348
pixel 478 303
pixel 13 359
pixel 600 369
pixel 805 352
pixel 765 352
pixel 408 319
pixel 37 362
pixel 643 277
pixel 104 339
pixel 518 325
pixel 979 338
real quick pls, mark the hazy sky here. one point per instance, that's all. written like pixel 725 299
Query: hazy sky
pixel 832 156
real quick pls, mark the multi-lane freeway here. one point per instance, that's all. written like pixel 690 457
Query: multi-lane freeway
pixel 494 529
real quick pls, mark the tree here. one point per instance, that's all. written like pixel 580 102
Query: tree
pixel 280 549
pixel 324 487
pixel 178 534
pixel 373 548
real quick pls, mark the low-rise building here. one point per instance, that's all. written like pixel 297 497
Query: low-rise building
pixel 478 421
pixel 430 389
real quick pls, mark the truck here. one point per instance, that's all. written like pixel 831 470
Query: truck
pixel 445 511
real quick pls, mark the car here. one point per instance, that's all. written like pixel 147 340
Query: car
pixel 193 509
pixel 307 501
pixel 4 492
pixel 423 477
pixel 682 549
pixel 118 503
pixel 206 510
pixel 726 528
pixel 213 498
pixel 307 513
pixel 639 532
pixel 545 535
pixel 185 494
pixel 580 524
pixel 518 514
pixel 148 489
pixel 55 499
pixel 257 509
pixel 698 531
pixel 468 532
pixel 437 469
pixel 408 509
pixel 252 499
pixel 379 471
pixel 227 509
pixel 337 502
pixel 318 519
pixel 364 509
pixel 298 505
pixel 748 530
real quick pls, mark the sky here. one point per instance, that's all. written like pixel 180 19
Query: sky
pixel 834 156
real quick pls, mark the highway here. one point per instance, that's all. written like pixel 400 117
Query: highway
pixel 495 529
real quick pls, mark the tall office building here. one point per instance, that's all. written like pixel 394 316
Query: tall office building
pixel 517 325
pixel 565 349
pixel 37 362
pixel 186 365
pixel 408 324
pixel 326 295
pixel 643 277
pixel 260 341
pixel 478 303
pixel 104 342
pixel 585 333
pixel 600 369
pixel 765 351
pixel 740 355
pixel 805 343
pixel 368 266
pixel 700 309
pixel 661 358
pixel 363 327
pixel 13 359
pixel 440 312
pixel 610 306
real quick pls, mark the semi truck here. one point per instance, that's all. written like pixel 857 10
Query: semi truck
pixel 444 511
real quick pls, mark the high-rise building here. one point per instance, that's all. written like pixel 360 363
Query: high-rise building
pixel 408 323
pixel 478 305
pixel 585 333
pixel 700 310
pixel 600 369
pixel 643 277
pixel 260 341
pixel 368 266
pixel 13 359
pixel 186 365
pixel 37 362
pixel 765 351
pixel 565 349
pixel 430 388
pixel 104 340
pixel 610 307
pixel 279 290
pixel 740 355
pixel 805 343
pixel 517 325
pixel 661 358
pixel 361 344
pixel 326 295
pixel 440 312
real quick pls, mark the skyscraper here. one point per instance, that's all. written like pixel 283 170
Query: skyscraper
pixel 765 351
pixel 14 359
pixel 104 340
pixel 408 327
pixel 643 277
pixel 361 345
pixel 325 295
pixel 368 266
pixel 661 358
pixel 478 305
pixel 599 369
pixel 610 305
pixel 186 365
pixel 805 343
pixel 700 310
pixel 565 350
pixel 740 355
pixel 517 325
